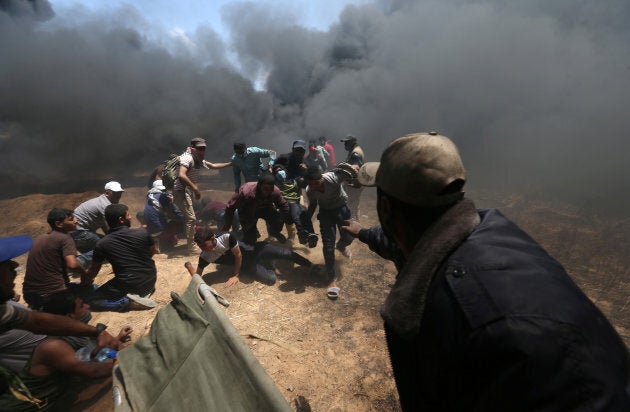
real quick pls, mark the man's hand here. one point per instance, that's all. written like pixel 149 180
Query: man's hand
pixel 352 226
pixel 123 335
pixel 190 268
pixel 232 281
pixel 348 171
pixel 105 339
pixel 197 193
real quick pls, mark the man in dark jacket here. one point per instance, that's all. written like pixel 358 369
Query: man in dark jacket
pixel 480 316
pixel 293 161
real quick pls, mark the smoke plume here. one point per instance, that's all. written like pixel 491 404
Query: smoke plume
pixel 532 92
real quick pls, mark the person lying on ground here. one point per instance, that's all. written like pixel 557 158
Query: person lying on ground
pixel 255 260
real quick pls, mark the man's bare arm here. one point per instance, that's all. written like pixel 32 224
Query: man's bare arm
pixel 57 355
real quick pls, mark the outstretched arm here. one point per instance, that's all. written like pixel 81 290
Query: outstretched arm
pixel 210 165
pixel 49 324
pixel 57 355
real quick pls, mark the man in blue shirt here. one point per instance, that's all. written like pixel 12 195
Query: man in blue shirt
pixel 249 161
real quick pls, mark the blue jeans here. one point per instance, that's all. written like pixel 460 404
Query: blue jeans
pixel 37 302
pixel 111 296
pixel 85 241
pixel 236 224
pixel 329 221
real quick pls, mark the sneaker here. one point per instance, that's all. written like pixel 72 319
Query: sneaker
pixel 303 237
pixel 345 251
pixel 312 240
pixel 146 303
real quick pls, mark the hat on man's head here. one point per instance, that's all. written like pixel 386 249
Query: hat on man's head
pixel 299 143
pixel 14 246
pixel 159 185
pixel 349 138
pixel 416 169
pixel 114 187
pixel 198 142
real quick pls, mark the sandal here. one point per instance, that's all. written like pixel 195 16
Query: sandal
pixel 333 293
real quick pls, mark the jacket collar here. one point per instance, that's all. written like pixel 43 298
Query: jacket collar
pixel 404 307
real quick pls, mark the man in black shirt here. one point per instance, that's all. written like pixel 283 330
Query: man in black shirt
pixel 129 251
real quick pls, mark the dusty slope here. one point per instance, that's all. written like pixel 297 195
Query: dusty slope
pixel 329 355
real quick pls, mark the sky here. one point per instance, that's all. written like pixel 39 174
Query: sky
pixel 534 93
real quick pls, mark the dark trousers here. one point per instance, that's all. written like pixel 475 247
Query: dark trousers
pixel 329 221
pixel 274 226
pixel 300 217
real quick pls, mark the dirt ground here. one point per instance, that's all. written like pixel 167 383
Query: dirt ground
pixel 330 355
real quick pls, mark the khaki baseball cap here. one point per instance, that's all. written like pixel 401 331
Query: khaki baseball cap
pixel 416 169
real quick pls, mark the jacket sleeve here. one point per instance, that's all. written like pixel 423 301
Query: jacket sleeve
pixel 378 242
pixel 229 210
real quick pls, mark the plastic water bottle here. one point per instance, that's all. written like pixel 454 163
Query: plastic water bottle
pixel 84 354
pixel 105 354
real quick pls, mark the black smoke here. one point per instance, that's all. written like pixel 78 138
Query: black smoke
pixel 534 93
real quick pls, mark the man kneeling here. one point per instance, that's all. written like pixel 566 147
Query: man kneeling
pixel 130 253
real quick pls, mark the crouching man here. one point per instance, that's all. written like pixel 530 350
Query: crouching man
pixel 130 253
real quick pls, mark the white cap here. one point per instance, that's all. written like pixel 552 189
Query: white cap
pixel 114 187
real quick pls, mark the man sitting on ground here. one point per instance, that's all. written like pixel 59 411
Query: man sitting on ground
pixel 129 251
pixel 52 256
pixel 13 316
pixel 41 362
pixel 256 260
pixel 91 217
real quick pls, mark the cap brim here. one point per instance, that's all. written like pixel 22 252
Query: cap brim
pixel 367 173
pixel 14 246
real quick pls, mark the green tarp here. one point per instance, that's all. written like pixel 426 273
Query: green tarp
pixel 193 359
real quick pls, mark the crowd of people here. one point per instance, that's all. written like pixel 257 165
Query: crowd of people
pixel 480 317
